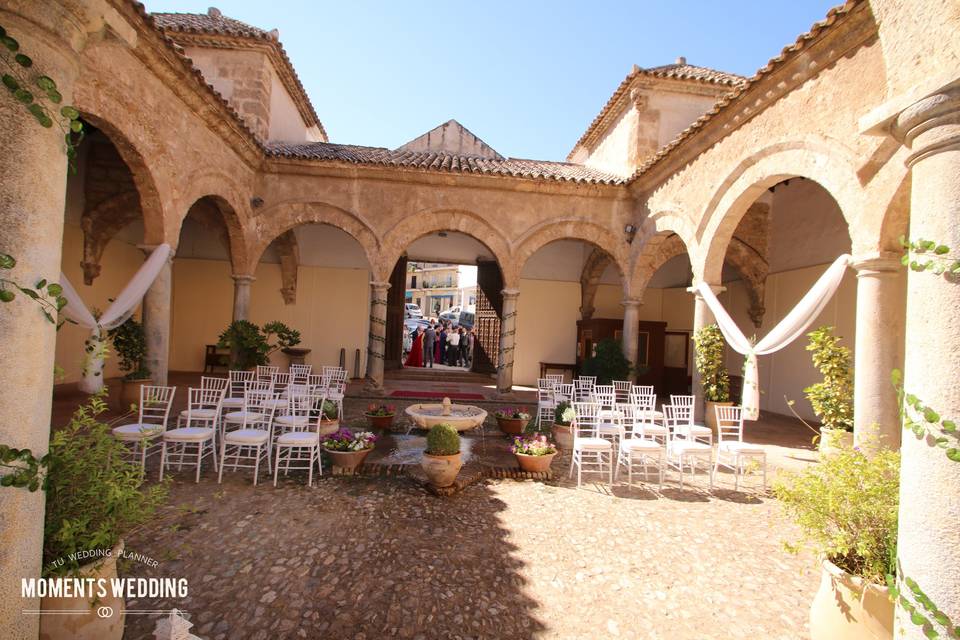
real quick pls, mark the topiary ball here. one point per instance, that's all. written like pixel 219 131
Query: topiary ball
pixel 443 440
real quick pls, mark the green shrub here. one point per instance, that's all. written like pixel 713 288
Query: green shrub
pixel 443 440
pixel 130 343
pixel 831 399
pixel 609 363
pixel 846 507
pixel 709 345
pixel 251 346
pixel 94 494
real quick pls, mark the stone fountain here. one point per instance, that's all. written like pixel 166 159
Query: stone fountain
pixel 461 417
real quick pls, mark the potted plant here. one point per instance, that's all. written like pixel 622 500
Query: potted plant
pixel 347 449
pixel 563 425
pixel 608 362
pixel 251 346
pixel 94 498
pixel 512 420
pixel 534 452
pixel 381 416
pixel 441 459
pixel 329 418
pixel 714 379
pixel 846 509
pixel 831 398
pixel 130 343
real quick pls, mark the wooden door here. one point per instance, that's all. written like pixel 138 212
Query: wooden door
pixel 396 298
pixel 486 345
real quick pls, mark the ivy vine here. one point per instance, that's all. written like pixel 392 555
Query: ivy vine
pixel 49 295
pixel 923 612
pixel 39 95
pixel 25 470
pixel 927 255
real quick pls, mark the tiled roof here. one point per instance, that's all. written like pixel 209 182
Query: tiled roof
pixel 434 161
pixel 734 96
pixel 680 70
pixel 214 23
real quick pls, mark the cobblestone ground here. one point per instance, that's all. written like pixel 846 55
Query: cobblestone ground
pixel 358 557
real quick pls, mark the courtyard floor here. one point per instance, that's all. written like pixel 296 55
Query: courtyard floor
pixel 380 556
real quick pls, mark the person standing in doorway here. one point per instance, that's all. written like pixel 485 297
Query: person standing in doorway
pixel 464 347
pixel 442 344
pixel 429 338
pixel 453 347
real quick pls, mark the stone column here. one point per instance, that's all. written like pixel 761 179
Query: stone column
pixel 702 316
pixel 878 350
pixel 156 320
pixel 241 296
pixel 377 337
pixel 631 331
pixel 929 535
pixel 508 331
pixel 33 170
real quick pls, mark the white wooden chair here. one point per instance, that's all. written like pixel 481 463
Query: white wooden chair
pixel 589 449
pixel 335 383
pixel 565 392
pixel 300 372
pixel 238 380
pixel 732 451
pixel 546 401
pixel 584 388
pixel 622 388
pixel 252 441
pixel 556 378
pixel 297 436
pixel 683 450
pixel 697 431
pixel 644 411
pixel 637 445
pixel 207 382
pixel 203 412
pixel 643 389
pixel 141 436
pixel 265 372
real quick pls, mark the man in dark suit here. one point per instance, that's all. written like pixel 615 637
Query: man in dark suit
pixel 429 337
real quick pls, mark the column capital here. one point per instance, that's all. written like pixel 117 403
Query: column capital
pixel 876 262
pixel 716 288
pixel 242 278
pixel 377 284
pixel 631 303
pixel 510 293
pixel 148 249
pixel 930 125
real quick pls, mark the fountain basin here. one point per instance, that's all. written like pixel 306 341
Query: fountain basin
pixel 461 417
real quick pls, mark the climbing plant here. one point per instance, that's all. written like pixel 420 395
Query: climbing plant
pixel 49 295
pixel 39 95
pixel 927 255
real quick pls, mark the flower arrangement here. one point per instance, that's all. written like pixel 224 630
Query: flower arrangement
pixel 532 445
pixel 346 440
pixel 381 410
pixel 564 414
pixel 511 413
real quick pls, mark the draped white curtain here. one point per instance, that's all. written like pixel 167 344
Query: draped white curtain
pixel 789 329
pixel 115 315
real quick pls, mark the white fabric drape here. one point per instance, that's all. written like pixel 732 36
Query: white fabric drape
pixel 788 330
pixel 115 315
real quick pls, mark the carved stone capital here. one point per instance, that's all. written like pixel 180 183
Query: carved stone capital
pixel 240 278
pixel 877 263
pixel 930 125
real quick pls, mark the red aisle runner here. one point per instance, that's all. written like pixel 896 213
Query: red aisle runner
pixel 402 393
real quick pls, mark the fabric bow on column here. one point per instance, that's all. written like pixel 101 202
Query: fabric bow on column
pixel 115 315
pixel 788 330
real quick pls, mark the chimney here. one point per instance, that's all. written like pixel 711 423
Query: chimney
pixel 681 60
pixel 214 13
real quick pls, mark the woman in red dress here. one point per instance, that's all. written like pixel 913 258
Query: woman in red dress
pixel 415 357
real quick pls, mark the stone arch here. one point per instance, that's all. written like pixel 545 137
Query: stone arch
pixel 828 166
pixel 235 239
pixel 397 239
pixel 654 253
pixel 282 217
pixel 234 210
pixel 151 204
pixel 896 217
pixel 592 233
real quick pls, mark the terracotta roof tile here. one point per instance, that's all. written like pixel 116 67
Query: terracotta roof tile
pixel 433 161
pixel 734 96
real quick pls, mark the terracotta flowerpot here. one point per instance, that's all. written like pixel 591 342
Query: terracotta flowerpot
pixel 512 426
pixel 710 414
pixel 329 426
pixel 97 619
pixel 380 422
pixel 348 460
pixel 534 464
pixel 849 608
pixel 130 392
pixel 831 440
pixel 563 436
pixel 441 470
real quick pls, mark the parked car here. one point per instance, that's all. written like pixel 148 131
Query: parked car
pixel 466 319
pixel 411 310
pixel 451 315
pixel 411 324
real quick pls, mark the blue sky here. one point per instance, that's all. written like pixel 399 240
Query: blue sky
pixel 526 77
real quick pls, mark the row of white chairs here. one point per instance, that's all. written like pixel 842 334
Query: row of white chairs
pixel 552 391
pixel 264 405
pixel 605 439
